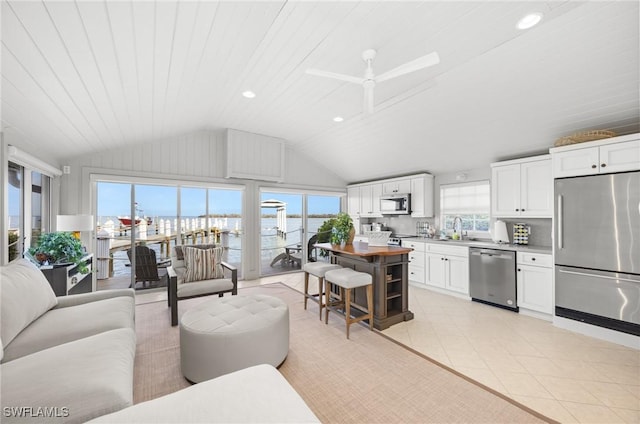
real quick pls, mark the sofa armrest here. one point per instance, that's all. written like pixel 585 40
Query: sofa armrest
pixel 79 299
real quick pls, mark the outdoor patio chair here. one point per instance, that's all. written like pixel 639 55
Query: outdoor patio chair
pixel 146 266
pixel 180 288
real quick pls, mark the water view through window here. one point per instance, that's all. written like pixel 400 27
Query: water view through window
pixel 206 215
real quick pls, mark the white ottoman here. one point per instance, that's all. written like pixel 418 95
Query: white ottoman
pixel 231 333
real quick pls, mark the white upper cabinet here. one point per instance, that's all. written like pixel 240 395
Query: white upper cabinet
pixel 363 199
pixel 422 196
pixel 396 186
pixel 522 188
pixel 617 154
pixel 353 200
pixel 370 200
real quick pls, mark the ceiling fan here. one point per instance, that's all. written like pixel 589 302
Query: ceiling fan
pixel 369 80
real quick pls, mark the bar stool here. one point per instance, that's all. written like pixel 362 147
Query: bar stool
pixel 347 279
pixel 317 269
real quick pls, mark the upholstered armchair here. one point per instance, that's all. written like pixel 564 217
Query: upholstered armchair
pixel 198 270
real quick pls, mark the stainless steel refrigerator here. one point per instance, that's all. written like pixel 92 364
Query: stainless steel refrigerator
pixel 597 250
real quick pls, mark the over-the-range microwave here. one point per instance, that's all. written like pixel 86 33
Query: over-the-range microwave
pixel 395 204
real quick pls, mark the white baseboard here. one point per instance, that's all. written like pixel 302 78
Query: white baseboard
pixel 536 314
pixel 601 333
pixel 439 290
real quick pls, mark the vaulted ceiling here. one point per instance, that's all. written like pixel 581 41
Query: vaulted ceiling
pixel 81 77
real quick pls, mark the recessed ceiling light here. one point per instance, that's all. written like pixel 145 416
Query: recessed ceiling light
pixel 530 20
pixel 338 119
pixel 249 94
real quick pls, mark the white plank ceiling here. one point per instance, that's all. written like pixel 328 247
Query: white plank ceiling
pixel 81 77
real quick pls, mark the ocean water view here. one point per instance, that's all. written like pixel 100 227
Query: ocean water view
pixel 272 242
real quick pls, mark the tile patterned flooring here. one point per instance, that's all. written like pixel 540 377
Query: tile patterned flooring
pixel 566 376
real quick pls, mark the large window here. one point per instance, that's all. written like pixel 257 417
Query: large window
pixel 29 208
pixel 164 215
pixel 471 202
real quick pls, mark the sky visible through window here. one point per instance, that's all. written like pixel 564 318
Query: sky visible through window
pixel 157 200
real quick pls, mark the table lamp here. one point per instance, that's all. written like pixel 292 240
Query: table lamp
pixel 74 223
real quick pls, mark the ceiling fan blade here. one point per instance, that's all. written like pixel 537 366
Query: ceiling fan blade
pixel 419 63
pixel 334 75
pixel 368 98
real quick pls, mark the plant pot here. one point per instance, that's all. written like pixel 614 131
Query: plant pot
pixel 352 235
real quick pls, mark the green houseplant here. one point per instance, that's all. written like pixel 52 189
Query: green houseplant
pixel 342 231
pixel 59 248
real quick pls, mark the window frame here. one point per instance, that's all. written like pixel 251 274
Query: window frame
pixel 443 213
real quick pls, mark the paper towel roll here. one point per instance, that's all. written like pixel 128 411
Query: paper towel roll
pixel 500 234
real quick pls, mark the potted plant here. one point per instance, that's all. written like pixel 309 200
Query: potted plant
pixel 342 231
pixel 59 248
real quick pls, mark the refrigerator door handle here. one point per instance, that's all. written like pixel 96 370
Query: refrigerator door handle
pixel 585 274
pixel 560 221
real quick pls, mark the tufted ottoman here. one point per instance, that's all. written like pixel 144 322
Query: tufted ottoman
pixel 228 334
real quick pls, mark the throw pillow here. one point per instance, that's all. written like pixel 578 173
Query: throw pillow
pixel 25 294
pixel 202 264
pixel 179 253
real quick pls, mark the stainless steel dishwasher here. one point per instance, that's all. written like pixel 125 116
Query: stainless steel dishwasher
pixel 492 277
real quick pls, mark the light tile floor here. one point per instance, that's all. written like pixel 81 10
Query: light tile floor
pixel 566 376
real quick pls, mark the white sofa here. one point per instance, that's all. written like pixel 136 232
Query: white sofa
pixel 66 359
pixel 259 394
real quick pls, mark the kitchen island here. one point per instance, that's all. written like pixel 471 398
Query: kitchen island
pixel 389 269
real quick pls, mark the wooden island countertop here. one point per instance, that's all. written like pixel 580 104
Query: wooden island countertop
pixel 388 267
pixel 363 249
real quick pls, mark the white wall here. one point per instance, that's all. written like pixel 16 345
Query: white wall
pixel 199 156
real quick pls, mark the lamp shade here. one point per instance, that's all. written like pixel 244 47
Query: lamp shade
pixel 74 223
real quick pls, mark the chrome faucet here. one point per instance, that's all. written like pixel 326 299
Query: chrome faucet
pixel 458 220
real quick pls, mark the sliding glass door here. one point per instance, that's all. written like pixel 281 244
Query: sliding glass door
pixel 158 217
pixel 289 222
pixel 281 232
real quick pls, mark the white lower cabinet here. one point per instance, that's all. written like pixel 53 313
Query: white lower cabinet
pixel 447 267
pixel 416 261
pixel 535 282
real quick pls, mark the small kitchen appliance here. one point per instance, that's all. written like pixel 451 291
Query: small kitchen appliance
pixel 395 204
pixel 521 233
pixel 499 233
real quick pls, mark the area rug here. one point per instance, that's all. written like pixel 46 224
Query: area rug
pixel 366 379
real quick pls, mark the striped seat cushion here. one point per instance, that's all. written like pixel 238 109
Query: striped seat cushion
pixel 202 264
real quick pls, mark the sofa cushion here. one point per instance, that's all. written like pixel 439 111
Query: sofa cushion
pixel 61 325
pixel 25 294
pixel 205 287
pixel 89 377
pixel 258 394
pixel 202 264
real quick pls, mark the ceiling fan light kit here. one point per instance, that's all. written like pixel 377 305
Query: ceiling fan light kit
pixel 369 80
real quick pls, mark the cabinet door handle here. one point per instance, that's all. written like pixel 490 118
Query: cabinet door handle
pixel 533 259
pixel 519 270
pixel 522 210
pixel 517 210
pixel 442 259
pixel 603 165
pixel 594 166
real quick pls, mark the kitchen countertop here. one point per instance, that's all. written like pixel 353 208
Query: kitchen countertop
pixel 364 250
pixel 487 244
